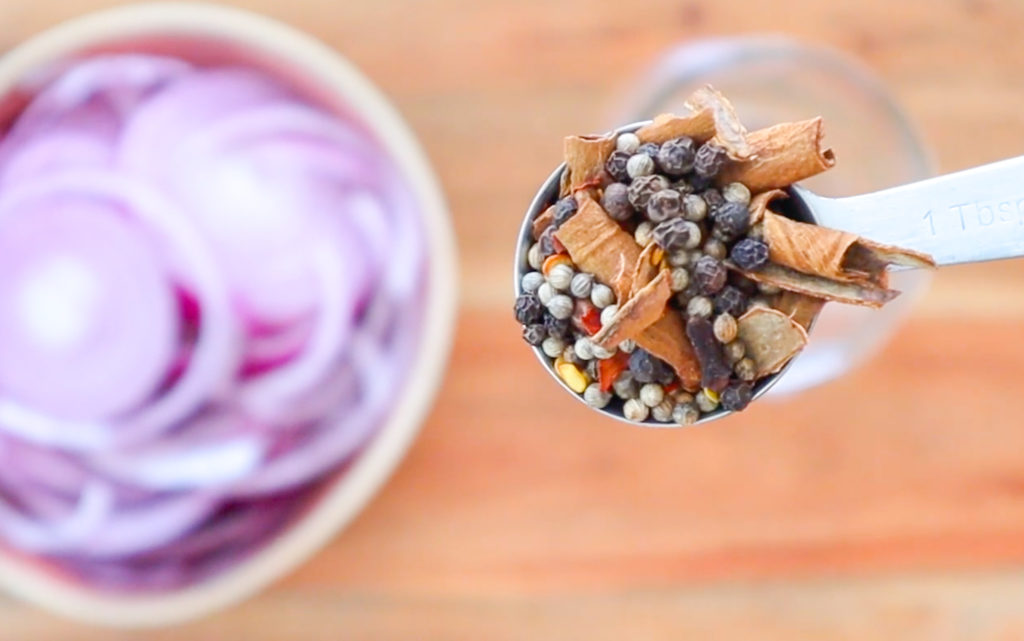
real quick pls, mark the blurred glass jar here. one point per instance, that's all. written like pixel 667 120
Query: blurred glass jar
pixel 774 79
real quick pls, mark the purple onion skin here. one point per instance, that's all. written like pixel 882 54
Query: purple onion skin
pixel 240 350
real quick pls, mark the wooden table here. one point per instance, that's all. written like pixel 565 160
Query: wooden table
pixel 889 505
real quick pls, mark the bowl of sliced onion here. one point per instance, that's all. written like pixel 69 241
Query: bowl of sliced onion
pixel 226 303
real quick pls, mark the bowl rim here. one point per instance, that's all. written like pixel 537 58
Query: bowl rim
pixel 345 497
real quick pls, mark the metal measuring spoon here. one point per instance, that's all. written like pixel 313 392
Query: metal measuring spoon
pixel 969 216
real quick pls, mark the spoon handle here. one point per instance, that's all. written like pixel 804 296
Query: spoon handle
pixel 969 216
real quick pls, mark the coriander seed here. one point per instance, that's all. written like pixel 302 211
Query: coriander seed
pixel 608 313
pixel 533 257
pixel 726 328
pixel 531 281
pixel 560 306
pixel 545 293
pixel 581 285
pixel 627 142
pixel 639 165
pixel 652 394
pixel 634 410
pixel 662 412
pixel 553 347
pixel 595 397
pixel 584 348
pixel 560 277
pixel 602 295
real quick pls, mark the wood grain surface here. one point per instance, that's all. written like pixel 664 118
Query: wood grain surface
pixel 887 505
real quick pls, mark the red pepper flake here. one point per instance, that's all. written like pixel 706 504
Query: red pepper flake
pixel 673 386
pixel 609 369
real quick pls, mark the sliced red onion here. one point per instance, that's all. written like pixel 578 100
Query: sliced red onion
pixel 274 259
pixel 87 322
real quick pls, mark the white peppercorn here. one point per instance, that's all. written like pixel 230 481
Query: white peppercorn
pixel 584 348
pixel 595 397
pixel 726 328
pixel 560 276
pixel 700 306
pixel 531 281
pixel 601 296
pixel 534 256
pixel 552 346
pixel 627 346
pixel 716 249
pixel 695 209
pixel 581 285
pixel 639 165
pixel 545 293
pixel 679 278
pixel 746 369
pixel 685 414
pixel 627 142
pixel 705 403
pixel 734 351
pixel 644 234
pixel 625 386
pixel 694 239
pixel 736 193
pixel 769 289
pixel 759 301
pixel 662 412
pixel 634 410
pixel 560 306
pixel 679 258
pixel 607 313
pixel 601 353
pixel 651 394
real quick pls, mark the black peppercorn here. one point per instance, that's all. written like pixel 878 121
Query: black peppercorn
pixel 731 221
pixel 731 300
pixel 534 334
pixel 676 156
pixel 616 165
pixel 750 254
pixel 564 210
pixel 710 275
pixel 528 309
pixel 737 396
pixel 709 160
pixel 615 201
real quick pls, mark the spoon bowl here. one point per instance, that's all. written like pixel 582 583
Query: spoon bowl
pixel 546 195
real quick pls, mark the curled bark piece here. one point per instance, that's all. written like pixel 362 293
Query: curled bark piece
pixel 856 293
pixel 759 204
pixel 637 314
pixel 714 372
pixel 781 155
pixel 699 125
pixel 584 160
pixel 646 269
pixel 833 254
pixel 542 222
pixel 666 339
pixel 800 307
pixel 772 338
pixel 730 134
pixel 600 247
